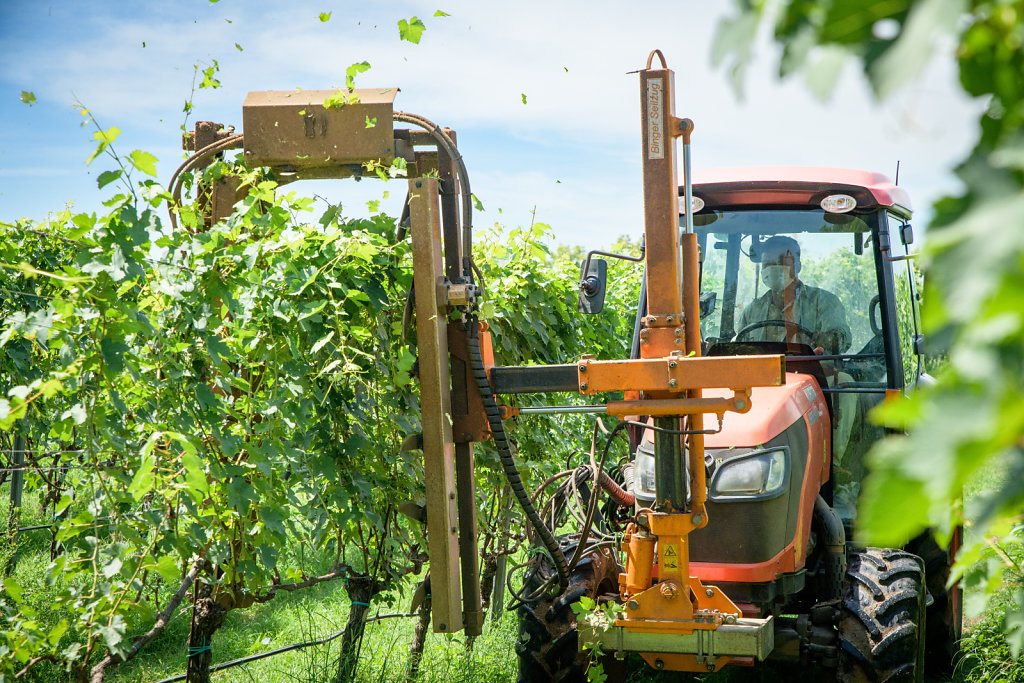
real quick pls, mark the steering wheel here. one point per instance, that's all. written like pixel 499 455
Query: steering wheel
pixel 774 323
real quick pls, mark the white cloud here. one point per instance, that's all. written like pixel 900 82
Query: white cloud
pixel 579 125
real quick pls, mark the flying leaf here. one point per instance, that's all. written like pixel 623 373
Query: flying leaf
pixel 325 16
pixel 411 30
pixel 523 95
pixel 439 13
pixel 477 204
pixel 352 71
pixel 208 76
pixel 28 98
pixel 238 46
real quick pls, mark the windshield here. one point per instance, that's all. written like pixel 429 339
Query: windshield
pixel 804 283
pixel 802 277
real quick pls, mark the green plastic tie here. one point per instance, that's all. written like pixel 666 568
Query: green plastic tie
pixel 193 651
pixel 364 604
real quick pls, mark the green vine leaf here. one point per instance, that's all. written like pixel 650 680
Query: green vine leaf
pixel 209 76
pixel 108 177
pixel 411 30
pixel 105 138
pixel 352 71
pixel 144 161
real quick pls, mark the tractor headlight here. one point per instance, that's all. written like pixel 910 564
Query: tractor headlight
pixel 754 475
pixel 644 484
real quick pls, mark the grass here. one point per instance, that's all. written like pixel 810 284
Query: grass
pixel 322 610
pixel 318 613
pixel 986 656
pixel 290 618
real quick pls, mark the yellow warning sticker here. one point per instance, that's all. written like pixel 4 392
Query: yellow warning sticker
pixel 670 557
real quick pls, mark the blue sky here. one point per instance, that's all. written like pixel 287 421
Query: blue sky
pixel 570 154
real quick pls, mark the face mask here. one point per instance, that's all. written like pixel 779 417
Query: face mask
pixel 776 277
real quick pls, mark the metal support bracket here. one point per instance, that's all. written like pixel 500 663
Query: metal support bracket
pixel 435 400
pixel 698 650
pixel 678 374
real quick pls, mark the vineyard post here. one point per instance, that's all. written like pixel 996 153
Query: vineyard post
pixel 17 486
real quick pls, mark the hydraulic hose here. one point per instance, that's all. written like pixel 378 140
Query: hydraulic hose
pixel 508 463
pixel 618 494
pixel 833 537
pixel 469 269
pixel 466 194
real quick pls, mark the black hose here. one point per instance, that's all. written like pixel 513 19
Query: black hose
pixel 288 648
pixel 446 143
pixel 508 463
pixel 833 537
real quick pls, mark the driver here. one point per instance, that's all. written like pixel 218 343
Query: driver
pixel 790 300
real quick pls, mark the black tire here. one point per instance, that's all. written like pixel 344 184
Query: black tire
pixel 882 618
pixel 548 644
pixel 945 613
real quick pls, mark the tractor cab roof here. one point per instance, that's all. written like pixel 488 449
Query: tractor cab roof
pixel 795 186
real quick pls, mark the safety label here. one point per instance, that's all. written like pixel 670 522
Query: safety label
pixel 670 557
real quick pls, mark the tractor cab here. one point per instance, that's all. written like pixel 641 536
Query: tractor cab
pixel 813 263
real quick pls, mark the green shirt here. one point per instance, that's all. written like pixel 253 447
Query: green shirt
pixel 816 309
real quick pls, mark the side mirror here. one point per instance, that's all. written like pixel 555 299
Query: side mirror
pixel 593 284
pixel 919 345
pixel 885 246
pixel 907 234
pixel 707 303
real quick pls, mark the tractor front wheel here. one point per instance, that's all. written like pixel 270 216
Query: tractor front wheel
pixel 548 644
pixel 881 629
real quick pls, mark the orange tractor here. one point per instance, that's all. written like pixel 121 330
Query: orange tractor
pixel 776 308
pixel 784 310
